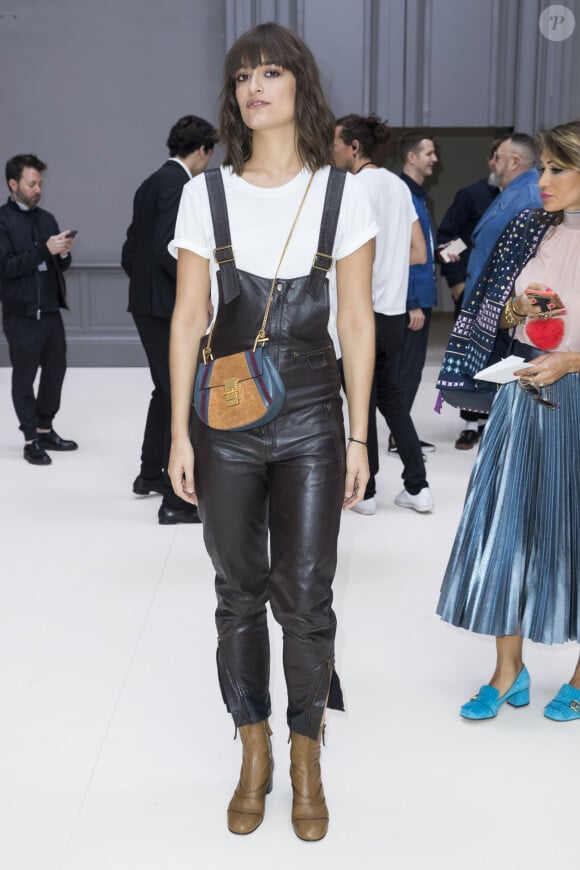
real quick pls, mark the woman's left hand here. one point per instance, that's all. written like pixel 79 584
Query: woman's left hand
pixel 357 474
pixel 549 368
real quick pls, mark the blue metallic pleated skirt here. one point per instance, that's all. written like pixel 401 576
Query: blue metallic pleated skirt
pixel 515 563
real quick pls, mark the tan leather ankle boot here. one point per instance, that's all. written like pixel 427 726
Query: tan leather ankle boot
pixel 309 810
pixel 246 808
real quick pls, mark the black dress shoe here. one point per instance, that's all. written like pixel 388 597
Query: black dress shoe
pixel 170 516
pixel 34 454
pixel 467 439
pixel 52 441
pixel 142 486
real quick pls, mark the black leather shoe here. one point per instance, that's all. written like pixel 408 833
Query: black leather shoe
pixel 142 486
pixel 170 516
pixel 34 454
pixel 467 439
pixel 52 441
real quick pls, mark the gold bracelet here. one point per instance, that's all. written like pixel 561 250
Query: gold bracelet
pixel 510 317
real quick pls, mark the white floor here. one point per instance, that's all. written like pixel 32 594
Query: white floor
pixel 115 750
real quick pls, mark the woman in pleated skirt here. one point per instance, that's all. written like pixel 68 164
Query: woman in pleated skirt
pixel 514 570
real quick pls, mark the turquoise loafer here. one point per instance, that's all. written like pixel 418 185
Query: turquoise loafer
pixel 486 703
pixel 565 706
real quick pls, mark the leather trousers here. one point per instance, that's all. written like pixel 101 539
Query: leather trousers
pixel 270 500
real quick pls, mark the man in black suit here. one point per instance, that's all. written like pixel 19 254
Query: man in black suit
pixel 152 278
pixel 459 221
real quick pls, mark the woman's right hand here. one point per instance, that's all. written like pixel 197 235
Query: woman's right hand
pixel 526 303
pixel 181 470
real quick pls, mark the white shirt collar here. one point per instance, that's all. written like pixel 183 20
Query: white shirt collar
pixel 181 163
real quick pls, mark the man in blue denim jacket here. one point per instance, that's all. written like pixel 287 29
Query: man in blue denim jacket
pixel 418 156
pixel 517 179
pixel 515 175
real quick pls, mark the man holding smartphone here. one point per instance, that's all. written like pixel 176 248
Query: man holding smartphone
pixel 459 222
pixel 34 254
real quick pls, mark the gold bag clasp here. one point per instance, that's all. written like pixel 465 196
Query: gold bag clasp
pixel 231 392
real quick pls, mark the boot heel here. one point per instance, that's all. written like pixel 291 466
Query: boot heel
pixel 520 699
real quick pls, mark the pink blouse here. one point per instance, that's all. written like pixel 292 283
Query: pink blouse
pixel 557 264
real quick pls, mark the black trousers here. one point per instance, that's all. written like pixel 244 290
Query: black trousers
pixel 36 344
pixel 154 335
pixel 387 396
pixel 283 482
pixel 413 359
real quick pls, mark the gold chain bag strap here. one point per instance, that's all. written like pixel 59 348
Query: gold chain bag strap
pixel 242 390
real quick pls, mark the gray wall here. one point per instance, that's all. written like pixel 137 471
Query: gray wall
pixel 93 87
pixel 443 63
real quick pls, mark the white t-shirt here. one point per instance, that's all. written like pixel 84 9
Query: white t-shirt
pixel 395 213
pixel 260 219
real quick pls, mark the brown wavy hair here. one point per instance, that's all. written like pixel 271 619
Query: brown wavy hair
pixel 272 43
pixel 562 143
pixel 372 133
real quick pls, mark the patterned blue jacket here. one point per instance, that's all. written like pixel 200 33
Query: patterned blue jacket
pixel 475 332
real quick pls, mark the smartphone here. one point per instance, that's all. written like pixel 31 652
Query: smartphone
pixel 71 234
pixel 454 247
pixel 546 300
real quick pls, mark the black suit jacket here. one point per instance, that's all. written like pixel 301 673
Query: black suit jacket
pixel 460 219
pixel 151 269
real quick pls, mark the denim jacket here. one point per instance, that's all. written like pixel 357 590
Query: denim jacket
pixel 522 193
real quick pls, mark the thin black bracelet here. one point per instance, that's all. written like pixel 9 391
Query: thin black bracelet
pixel 356 441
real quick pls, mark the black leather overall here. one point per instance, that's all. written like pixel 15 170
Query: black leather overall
pixel 285 480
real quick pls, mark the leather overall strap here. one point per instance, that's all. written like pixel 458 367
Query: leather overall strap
pixel 223 251
pixel 323 260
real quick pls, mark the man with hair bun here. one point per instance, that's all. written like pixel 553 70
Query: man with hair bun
pixel 152 279
pixel 360 146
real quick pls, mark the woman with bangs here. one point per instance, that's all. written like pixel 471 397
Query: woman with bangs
pixel 514 569
pixel 270 498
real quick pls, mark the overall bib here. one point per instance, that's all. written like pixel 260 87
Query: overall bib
pixel 270 498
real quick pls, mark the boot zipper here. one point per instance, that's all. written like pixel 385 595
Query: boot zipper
pixel 315 693
pixel 234 687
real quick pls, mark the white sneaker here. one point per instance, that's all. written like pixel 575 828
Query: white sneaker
pixel 367 507
pixel 422 502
